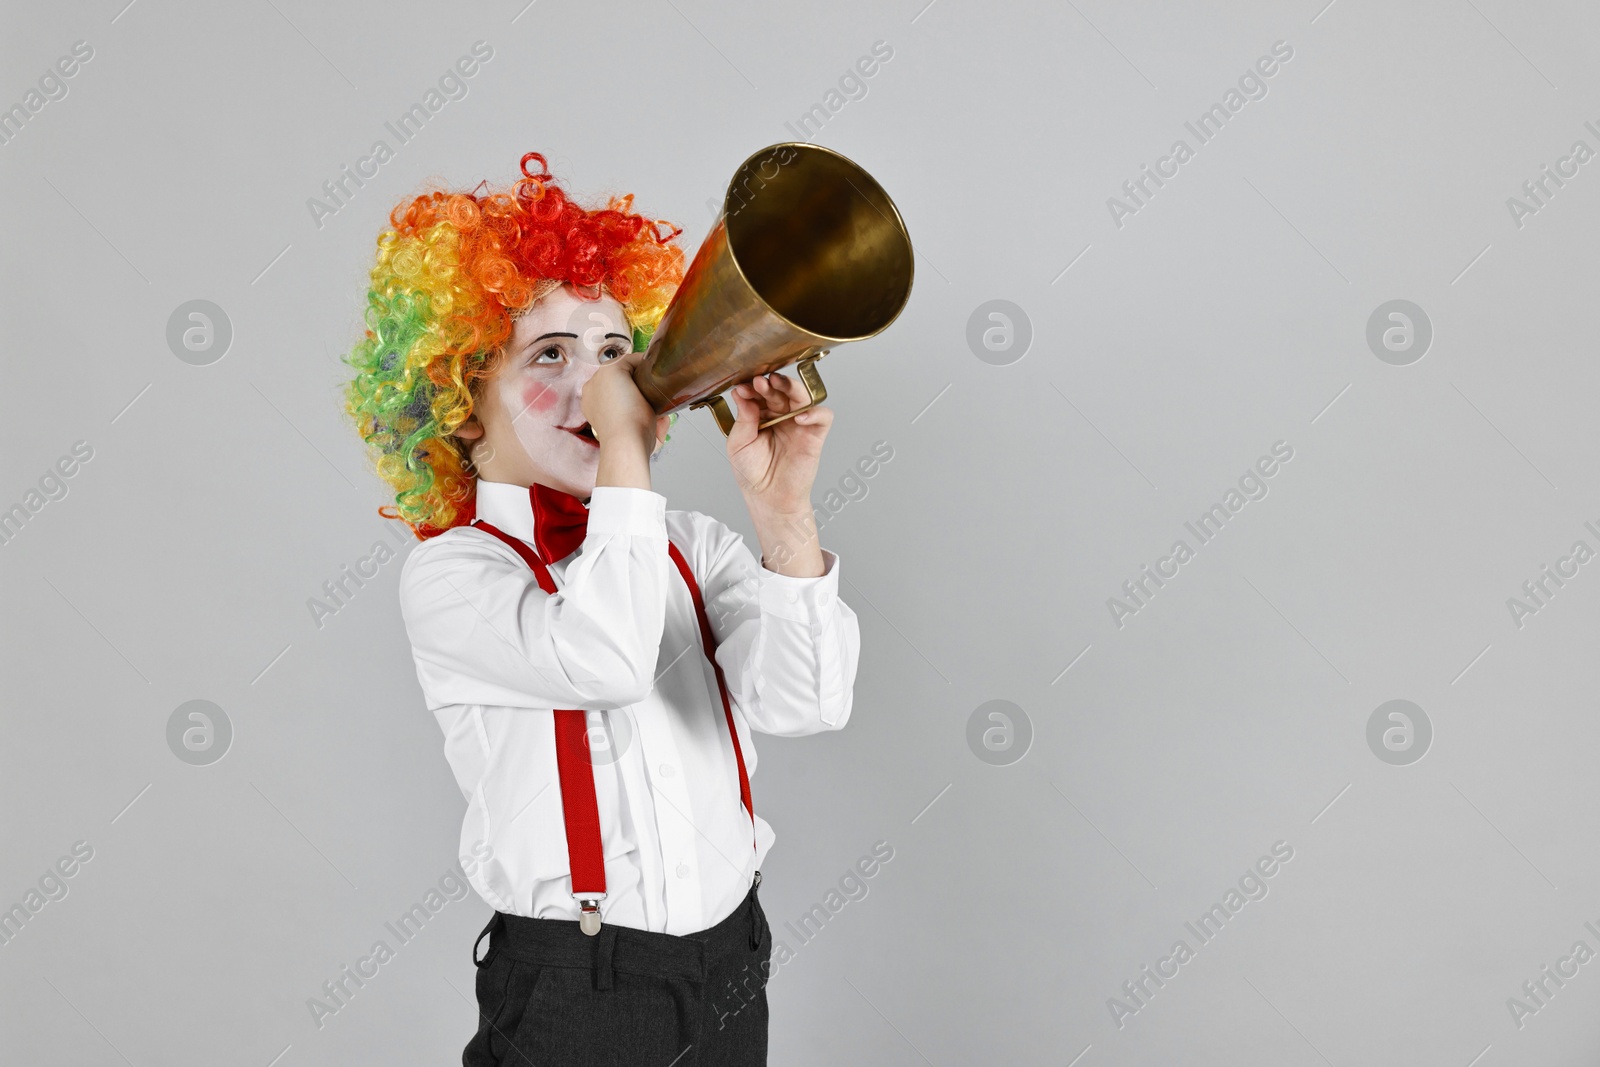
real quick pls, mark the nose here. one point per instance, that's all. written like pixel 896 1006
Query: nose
pixel 584 369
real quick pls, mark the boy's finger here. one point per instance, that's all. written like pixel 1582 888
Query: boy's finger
pixel 778 397
pixel 793 388
pixel 747 414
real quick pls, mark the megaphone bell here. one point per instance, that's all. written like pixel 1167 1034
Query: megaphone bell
pixel 808 253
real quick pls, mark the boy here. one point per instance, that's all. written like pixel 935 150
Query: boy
pixel 597 662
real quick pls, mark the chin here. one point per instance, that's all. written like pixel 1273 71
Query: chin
pixel 579 483
pixel 568 465
pixel 584 488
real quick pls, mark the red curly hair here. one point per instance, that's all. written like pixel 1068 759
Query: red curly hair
pixel 452 272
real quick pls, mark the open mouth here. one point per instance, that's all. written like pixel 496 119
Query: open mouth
pixel 584 432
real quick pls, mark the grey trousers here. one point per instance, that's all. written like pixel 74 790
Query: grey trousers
pixel 551 996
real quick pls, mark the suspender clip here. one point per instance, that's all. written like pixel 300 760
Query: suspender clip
pixel 589 917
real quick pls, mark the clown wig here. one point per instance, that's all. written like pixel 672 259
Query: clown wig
pixel 452 273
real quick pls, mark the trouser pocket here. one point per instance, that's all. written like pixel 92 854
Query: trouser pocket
pixel 495 997
pixel 640 1019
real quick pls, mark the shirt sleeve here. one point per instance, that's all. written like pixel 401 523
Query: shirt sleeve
pixel 788 646
pixel 483 632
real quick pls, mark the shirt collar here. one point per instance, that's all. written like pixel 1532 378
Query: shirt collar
pixel 552 521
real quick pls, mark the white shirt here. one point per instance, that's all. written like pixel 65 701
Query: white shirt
pixel 620 639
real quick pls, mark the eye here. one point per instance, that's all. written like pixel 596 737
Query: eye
pixel 553 350
pixel 617 351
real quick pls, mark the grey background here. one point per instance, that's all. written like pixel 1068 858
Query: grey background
pixel 1167 755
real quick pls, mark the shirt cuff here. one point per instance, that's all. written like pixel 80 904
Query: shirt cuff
pixel 800 599
pixel 620 510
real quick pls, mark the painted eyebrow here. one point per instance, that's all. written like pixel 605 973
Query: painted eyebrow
pixel 545 337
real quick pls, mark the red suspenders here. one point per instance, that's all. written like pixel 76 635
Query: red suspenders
pixel 579 809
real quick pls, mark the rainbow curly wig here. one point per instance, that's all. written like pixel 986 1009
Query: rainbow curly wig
pixel 453 271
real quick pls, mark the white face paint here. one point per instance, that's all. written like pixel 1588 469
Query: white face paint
pixel 531 409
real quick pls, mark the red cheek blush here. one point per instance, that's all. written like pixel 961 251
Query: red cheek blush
pixel 538 397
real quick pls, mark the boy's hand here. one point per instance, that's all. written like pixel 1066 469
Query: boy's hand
pixel 615 408
pixel 623 422
pixel 776 467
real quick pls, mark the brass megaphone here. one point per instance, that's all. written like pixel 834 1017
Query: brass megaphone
pixel 808 252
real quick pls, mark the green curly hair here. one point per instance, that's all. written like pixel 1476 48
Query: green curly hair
pixel 452 271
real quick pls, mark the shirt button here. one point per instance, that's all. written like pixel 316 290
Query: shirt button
pixel 667 770
pixel 792 596
pixel 683 870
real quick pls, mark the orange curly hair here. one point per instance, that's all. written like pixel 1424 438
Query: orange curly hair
pixel 452 273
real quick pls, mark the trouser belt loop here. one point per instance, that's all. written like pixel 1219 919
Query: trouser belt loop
pixel 493 924
pixel 758 926
pixel 604 945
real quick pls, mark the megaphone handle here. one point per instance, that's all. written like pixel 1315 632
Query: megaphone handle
pixel 719 408
pixel 806 369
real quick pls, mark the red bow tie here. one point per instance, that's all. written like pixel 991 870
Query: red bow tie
pixel 560 522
